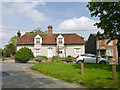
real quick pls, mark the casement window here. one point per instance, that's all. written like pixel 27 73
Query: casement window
pixel 37 51
pixel 61 51
pixel 77 50
pixel 37 40
pixel 60 40
pixel 110 52
pixel 110 43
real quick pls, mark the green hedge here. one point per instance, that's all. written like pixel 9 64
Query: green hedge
pixel 68 59
pixel 24 54
pixel 40 58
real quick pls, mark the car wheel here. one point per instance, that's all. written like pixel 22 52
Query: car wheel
pixel 102 62
pixel 79 61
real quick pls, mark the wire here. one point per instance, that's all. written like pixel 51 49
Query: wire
pixel 56 30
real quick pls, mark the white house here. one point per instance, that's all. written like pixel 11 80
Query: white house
pixel 49 44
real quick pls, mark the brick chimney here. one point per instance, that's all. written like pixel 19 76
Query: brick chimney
pixel 18 34
pixel 50 29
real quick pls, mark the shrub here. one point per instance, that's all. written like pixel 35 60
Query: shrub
pixel 63 58
pixel 69 59
pixel 54 58
pixel 103 56
pixel 40 58
pixel 24 54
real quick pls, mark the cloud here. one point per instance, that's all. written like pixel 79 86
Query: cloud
pixel 82 23
pixel 27 9
pixel 83 26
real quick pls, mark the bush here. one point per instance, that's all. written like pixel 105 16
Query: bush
pixel 103 56
pixel 24 54
pixel 54 58
pixel 40 58
pixel 69 59
pixel 63 58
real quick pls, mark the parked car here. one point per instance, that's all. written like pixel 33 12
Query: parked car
pixel 91 58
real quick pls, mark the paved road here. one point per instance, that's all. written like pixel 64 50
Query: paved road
pixel 14 76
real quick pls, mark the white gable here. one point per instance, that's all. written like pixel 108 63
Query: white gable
pixel 60 37
pixel 37 37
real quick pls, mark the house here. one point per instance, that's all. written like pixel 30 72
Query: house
pixel 102 47
pixel 49 44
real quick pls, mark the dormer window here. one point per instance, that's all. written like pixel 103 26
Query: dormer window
pixel 37 40
pixel 60 40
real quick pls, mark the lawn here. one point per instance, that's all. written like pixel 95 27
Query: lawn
pixel 95 75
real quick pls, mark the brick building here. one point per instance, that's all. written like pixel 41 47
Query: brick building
pixel 102 47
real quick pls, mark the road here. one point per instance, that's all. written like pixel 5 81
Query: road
pixel 14 76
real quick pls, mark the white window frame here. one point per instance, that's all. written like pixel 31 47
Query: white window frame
pixel 60 37
pixel 38 38
pixel 38 41
pixel 61 50
pixel 37 51
pixel 77 50
pixel 110 43
pixel 110 52
pixel 60 40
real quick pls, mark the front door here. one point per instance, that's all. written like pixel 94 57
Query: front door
pixel 50 52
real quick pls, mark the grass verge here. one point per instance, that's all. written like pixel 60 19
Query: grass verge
pixel 95 75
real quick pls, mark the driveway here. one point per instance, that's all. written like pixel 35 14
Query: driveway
pixel 14 76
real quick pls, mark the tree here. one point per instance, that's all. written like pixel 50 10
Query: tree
pixel 10 49
pixel 13 40
pixel 38 30
pixel 109 15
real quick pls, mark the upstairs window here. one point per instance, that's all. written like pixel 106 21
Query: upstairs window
pixel 77 50
pixel 110 43
pixel 60 40
pixel 37 40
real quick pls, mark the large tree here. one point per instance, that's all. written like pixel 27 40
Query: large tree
pixel 13 40
pixel 38 30
pixel 109 16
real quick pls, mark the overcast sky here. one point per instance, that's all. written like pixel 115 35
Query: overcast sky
pixel 65 17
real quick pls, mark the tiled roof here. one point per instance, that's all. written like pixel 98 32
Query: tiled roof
pixel 71 38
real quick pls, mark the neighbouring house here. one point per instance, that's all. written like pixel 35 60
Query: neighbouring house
pixel 50 43
pixel 102 47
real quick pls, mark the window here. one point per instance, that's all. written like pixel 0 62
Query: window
pixel 37 51
pixel 77 50
pixel 60 40
pixel 60 51
pixel 110 43
pixel 110 52
pixel 37 40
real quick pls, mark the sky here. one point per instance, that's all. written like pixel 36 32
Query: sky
pixel 65 17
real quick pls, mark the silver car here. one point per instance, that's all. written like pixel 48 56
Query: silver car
pixel 91 58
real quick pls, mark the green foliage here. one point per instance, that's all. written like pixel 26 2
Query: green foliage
pixel 38 30
pixel 103 56
pixel 24 54
pixel 68 59
pixel 13 40
pixel 109 16
pixel 54 58
pixel 40 58
pixel 9 49
pixel 95 75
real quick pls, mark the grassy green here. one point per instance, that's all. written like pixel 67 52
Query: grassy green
pixel 95 75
